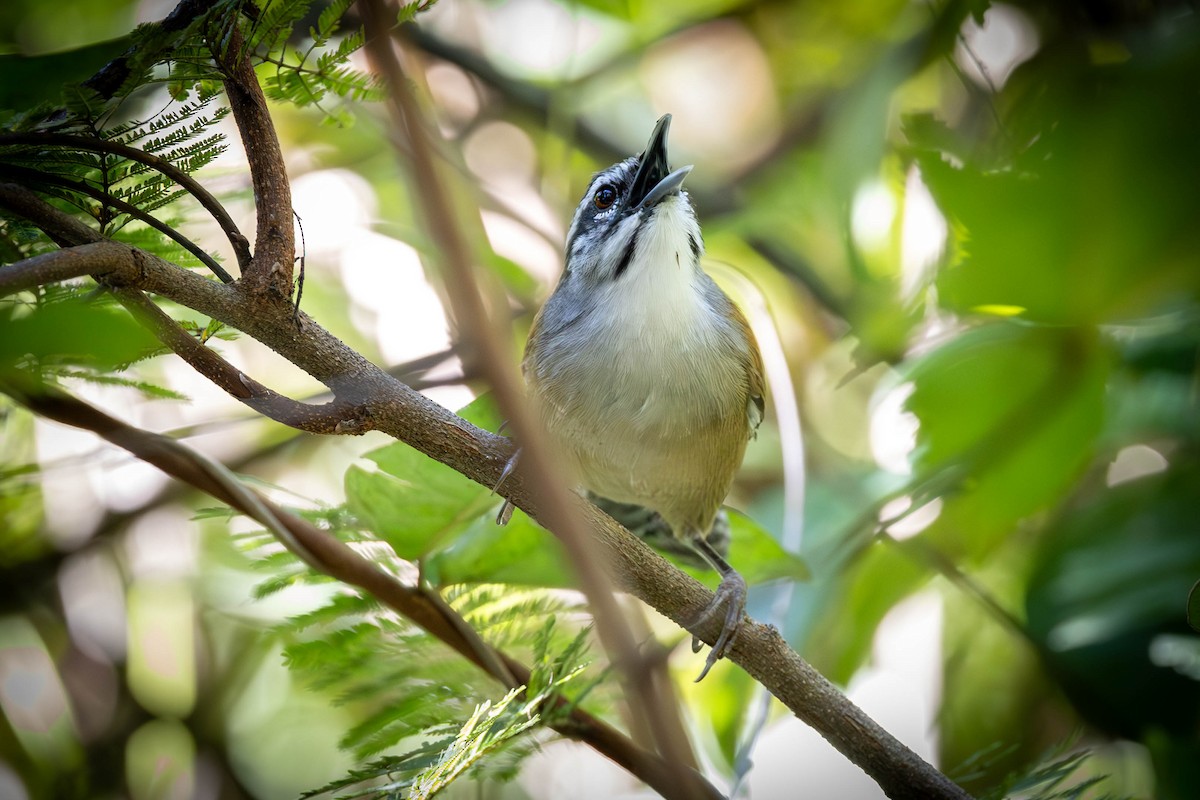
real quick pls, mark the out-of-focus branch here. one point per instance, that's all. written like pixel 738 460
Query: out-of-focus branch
pixel 332 557
pixel 483 335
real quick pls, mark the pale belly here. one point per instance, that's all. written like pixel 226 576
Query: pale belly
pixel 637 429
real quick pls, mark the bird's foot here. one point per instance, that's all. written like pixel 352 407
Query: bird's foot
pixel 731 594
pixel 505 513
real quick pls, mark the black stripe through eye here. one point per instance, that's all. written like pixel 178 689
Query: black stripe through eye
pixel 627 256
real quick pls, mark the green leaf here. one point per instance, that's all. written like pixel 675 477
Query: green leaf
pixel 520 553
pixel 877 581
pixel 1009 414
pixel 417 513
pixel 760 558
pixel 31 80
pixel 416 504
pixel 1108 585
pixel 73 331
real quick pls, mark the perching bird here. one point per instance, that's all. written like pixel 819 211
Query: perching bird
pixel 645 375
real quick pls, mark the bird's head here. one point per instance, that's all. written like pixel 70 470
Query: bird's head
pixel 634 209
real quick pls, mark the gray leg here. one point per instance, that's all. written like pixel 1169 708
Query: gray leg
pixel 731 593
pixel 506 510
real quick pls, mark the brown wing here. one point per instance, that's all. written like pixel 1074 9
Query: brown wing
pixel 755 381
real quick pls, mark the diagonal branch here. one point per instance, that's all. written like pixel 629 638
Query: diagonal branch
pixel 275 244
pixel 336 417
pixel 330 556
pixel 650 708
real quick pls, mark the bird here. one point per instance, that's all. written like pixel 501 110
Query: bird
pixel 645 376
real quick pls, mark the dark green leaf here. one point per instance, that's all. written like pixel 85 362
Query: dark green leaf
pixel 73 332
pixel 1008 416
pixel 416 504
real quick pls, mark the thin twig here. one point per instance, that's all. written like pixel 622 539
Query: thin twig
pixel 483 333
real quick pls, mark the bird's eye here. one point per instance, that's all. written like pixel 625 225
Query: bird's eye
pixel 605 196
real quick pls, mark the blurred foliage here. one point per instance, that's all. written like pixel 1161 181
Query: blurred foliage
pixel 990 206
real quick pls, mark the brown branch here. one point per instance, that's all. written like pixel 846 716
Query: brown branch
pixel 275 245
pixel 240 244
pixel 334 558
pixel 481 456
pixel 337 417
pixel 649 707
pixel 61 265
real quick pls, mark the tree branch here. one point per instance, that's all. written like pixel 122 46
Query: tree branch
pixel 337 417
pixel 329 555
pixel 275 245
pixel 63 265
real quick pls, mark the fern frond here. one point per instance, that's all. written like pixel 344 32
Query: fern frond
pixel 488 728
pixel 1053 778
pixel 145 387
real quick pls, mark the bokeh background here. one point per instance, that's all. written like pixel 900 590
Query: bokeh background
pixel 968 236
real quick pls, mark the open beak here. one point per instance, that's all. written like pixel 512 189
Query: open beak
pixel 653 180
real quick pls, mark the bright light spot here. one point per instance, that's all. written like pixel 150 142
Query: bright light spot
pixel 1079 632
pixel 1180 653
pixel 335 207
pixel 10 784
pixel 518 243
pixel 501 153
pixel 922 235
pixel 908 523
pixel 872 214
pixel 999 310
pixel 384 275
pixel 127 484
pixel 453 93
pixel 93 601
pixel 68 524
pixel 716 82
pixel 32 697
pixel 540 35
pixel 162 544
pixel 894 430
pixel 992 51
pixel 1133 462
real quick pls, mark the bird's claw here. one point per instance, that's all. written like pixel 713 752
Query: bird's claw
pixel 732 594
pixel 505 513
